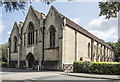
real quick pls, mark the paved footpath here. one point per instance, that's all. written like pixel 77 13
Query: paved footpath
pixel 98 76
pixel 23 74
pixel 28 74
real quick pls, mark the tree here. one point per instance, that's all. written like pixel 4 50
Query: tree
pixel 109 9
pixel 3 49
pixel 12 6
pixel 116 49
pixel 18 5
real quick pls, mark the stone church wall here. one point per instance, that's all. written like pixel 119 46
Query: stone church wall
pixel 69 45
pixel 13 53
pixel 94 51
pixel 14 56
pixel 52 56
pixel 82 42
pixel 36 48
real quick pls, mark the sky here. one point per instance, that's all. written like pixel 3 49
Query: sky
pixel 86 14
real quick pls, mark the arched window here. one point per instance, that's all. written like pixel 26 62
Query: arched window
pixel 101 59
pixel 98 58
pixel 89 49
pixel 15 44
pixel 101 50
pixel 93 57
pixel 24 39
pixel 81 59
pixel 52 37
pixel 30 33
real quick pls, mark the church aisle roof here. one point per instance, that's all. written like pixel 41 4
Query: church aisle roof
pixel 85 32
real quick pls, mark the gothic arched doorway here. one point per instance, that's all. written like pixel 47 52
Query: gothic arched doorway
pixel 30 60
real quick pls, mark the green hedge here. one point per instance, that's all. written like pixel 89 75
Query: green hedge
pixel 4 64
pixel 112 68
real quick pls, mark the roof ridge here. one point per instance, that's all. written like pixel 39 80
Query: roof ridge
pixel 88 33
pixel 38 13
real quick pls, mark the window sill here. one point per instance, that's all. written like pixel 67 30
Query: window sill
pixel 51 60
pixel 87 57
pixel 15 52
pixel 30 45
pixel 51 48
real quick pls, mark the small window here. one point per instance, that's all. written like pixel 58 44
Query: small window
pixel 24 39
pixel 89 49
pixel 81 59
pixel 31 38
pixel 30 33
pixel 36 36
pixel 100 51
pixel 52 37
pixel 15 44
pixel 28 38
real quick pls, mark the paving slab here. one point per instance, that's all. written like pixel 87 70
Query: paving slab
pixel 99 76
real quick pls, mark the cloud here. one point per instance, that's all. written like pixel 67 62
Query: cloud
pixel 8 32
pixel 76 20
pixel 1 27
pixel 106 29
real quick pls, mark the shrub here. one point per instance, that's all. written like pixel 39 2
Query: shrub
pixel 97 67
pixel 4 64
pixel 82 66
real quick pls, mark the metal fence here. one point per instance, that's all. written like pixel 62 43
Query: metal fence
pixel 68 68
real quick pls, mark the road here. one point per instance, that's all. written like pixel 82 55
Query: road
pixel 31 75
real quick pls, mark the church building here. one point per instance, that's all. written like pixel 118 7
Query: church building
pixel 52 41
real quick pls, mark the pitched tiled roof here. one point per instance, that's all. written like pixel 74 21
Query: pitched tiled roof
pixel 85 32
pixel 38 14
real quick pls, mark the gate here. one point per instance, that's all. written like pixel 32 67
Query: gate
pixel 68 68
